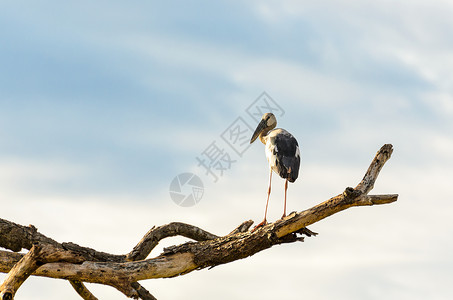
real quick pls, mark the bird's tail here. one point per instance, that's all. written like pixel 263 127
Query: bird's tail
pixel 290 169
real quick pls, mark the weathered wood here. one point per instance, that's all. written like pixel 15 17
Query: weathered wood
pixel 16 237
pixel 154 235
pixel 81 289
pixel 30 262
pixel 382 156
pixel 19 273
pixel 124 271
pixel 245 226
pixel 187 257
pixel 142 292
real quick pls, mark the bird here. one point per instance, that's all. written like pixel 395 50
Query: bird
pixel 282 153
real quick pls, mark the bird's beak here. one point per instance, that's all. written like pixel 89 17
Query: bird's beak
pixel 258 130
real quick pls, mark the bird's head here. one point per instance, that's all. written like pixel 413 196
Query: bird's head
pixel 268 122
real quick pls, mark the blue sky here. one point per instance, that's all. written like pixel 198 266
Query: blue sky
pixel 103 103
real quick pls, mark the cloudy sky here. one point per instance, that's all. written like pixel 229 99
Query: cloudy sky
pixel 103 103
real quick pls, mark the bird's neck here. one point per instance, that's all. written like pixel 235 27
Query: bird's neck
pixel 265 132
pixel 263 136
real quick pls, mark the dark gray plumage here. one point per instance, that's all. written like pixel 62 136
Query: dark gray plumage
pixel 286 152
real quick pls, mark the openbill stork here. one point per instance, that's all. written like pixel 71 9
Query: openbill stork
pixel 282 152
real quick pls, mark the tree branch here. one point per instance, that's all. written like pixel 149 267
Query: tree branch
pixel 80 264
pixel 16 237
pixel 19 273
pixel 382 156
pixel 154 235
pixel 30 262
pixel 82 290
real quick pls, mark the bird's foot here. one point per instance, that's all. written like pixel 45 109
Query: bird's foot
pixel 264 222
pixel 284 215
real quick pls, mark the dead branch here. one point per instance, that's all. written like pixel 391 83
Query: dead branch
pixel 81 289
pixel 78 264
pixel 154 235
pixel 27 265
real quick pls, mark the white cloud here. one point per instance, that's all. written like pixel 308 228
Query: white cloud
pixel 14 168
pixel 246 70
pixel 440 101
pixel 291 80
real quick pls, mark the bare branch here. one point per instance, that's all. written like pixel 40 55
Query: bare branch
pixel 36 257
pixel 142 292
pixel 16 237
pixel 242 228
pixel 379 199
pixel 80 264
pixel 154 235
pixel 20 272
pixel 82 290
pixel 382 156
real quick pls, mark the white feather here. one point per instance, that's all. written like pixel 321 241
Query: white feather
pixel 271 157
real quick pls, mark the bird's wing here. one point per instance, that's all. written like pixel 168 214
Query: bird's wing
pixel 287 155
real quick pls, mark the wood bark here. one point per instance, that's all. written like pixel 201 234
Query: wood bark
pixel 48 258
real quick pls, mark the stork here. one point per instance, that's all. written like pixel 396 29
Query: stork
pixel 282 152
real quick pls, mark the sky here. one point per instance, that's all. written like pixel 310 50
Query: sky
pixel 104 103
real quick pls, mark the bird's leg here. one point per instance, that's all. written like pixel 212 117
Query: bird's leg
pixel 284 207
pixel 264 222
pixel 268 194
